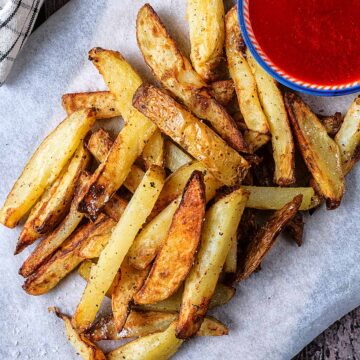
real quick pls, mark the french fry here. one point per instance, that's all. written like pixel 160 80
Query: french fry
pixel 223 91
pixel 53 241
pixel 141 323
pixel 266 237
pixel 274 198
pixel 103 274
pixel 245 84
pixel 53 205
pixel 348 137
pixel 273 105
pixel 221 222
pixel 99 144
pixel 175 157
pixel 45 166
pixel 230 265
pixel 332 123
pixel 115 207
pixel 82 344
pixel 207 35
pixel 122 81
pixel 195 137
pixel 320 153
pixel 295 228
pixel 103 103
pixel 177 254
pixel 176 74
pixel 153 153
pixel 159 346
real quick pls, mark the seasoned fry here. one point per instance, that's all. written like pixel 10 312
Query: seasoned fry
pixel 114 253
pixel 274 198
pixel 159 346
pixel 320 153
pixel 273 105
pixel 128 284
pixel 103 103
pixel 245 84
pixel 122 81
pixel 176 74
pixel 348 138
pixel 266 237
pixel 221 222
pixel 223 91
pixel 54 240
pixel 153 153
pixel 82 344
pixel 194 136
pixel 53 205
pixel 175 157
pixel 230 265
pixel 177 254
pixel 45 166
pixel 332 123
pixel 207 35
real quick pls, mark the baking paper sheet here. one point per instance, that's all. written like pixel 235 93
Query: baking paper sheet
pixel 275 313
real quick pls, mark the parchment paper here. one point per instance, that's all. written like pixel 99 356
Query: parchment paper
pixel 275 313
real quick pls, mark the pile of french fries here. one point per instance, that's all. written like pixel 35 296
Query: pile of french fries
pixel 169 220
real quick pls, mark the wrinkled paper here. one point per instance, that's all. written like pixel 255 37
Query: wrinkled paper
pixel 275 313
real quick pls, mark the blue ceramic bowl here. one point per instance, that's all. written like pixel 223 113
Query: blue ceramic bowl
pixel 279 74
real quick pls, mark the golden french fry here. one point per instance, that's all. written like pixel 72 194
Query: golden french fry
pixel 230 265
pixel 45 166
pixel 153 153
pixel 175 157
pixel 223 91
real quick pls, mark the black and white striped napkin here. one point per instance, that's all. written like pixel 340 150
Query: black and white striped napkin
pixel 17 18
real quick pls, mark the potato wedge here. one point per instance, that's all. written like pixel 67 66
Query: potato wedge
pixel 103 103
pixel 149 241
pixel 266 237
pixel 45 166
pixel 348 137
pixel 122 81
pixel 332 123
pixel 240 72
pixel 80 342
pixel 175 157
pixel 274 198
pixel 177 254
pixel 53 241
pixel 221 222
pixel 223 91
pixel 127 285
pixel 273 105
pixel 207 35
pixel 123 235
pixel 153 153
pixel 159 346
pixel 50 210
pixel 190 133
pixel 141 323
pixel 320 153
pixel 176 74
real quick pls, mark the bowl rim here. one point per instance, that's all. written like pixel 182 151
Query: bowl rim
pixel 271 68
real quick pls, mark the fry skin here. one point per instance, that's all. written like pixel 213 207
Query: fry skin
pixel 223 91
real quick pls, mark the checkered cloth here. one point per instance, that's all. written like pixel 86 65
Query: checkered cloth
pixel 17 18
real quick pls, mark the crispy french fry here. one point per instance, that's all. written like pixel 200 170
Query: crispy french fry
pixel 141 323
pixel 175 157
pixel 159 346
pixel 177 254
pixel 348 137
pixel 128 284
pixel 223 91
pixel 103 103
pixel 115 251
pixel 273 105
pixel 82 344
pixel 176 74
pixel 332 123
pixel 207 35
pixel 245 84
pixel 153 153
pixel 149 241
pixel 45 166
pixel 320 153
pixel 221 222
pixel 274 198
pixel 53 205
pixel 266 237
pixel 53 241
pixel 230 265
pixel 193 135
pixel 122 81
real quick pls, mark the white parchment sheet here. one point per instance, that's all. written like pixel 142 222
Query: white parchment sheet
pixel 298 293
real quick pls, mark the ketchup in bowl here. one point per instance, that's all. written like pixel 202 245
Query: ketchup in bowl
pixel 314 41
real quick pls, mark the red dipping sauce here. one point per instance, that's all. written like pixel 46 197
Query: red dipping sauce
pixel 316 41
